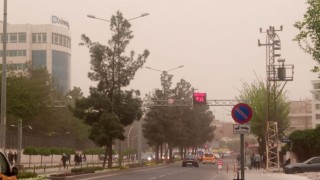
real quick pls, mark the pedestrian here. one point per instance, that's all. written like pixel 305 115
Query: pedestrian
pixel 64 159
pixel 10 157
pixel 238 158
pixel 76 159
pixel 69 158
pixel 84 158
pixel 257 161
pixel 252 165
pixel 15 157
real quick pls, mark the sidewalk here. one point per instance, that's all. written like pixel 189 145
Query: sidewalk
pixel 274 174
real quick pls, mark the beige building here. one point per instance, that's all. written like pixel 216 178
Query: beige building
pixel 315 92
pixel 300 116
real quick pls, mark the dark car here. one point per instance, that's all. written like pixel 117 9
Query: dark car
pixel 310 165
pixel 190 160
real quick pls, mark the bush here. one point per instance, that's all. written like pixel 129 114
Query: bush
pixel 25 175
pixel 86 169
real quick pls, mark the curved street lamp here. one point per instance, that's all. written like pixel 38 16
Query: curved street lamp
pixel 19 148
pixel 94 17
pixel 181 66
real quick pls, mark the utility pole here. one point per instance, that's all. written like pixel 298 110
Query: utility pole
pixel 4 82
pixel 275 74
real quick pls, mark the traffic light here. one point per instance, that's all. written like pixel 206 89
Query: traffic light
pixel 199 98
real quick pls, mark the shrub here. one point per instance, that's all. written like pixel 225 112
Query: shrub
pixel 25 175
pixel 86 169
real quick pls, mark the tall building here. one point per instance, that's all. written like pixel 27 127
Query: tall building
pixel 45 45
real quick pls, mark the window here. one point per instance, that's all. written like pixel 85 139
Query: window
pixel 22 37
pixel 61 40
pixel 317 96
pixel 317 86
pixel 13 38
pixel 44 37
pixel 34 38
pixel 317 106
pixel 3 37
pixel 39 37
pixel 317 116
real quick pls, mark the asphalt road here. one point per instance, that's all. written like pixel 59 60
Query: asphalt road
pixel 167 172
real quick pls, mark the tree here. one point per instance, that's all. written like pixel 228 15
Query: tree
pixel 255 95
pixel 108 105
pixel 305 143
pixel 309 36
pixel 181 126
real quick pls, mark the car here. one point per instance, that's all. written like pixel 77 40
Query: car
pixel 208 158
pixel 190 160
pixel 7 170
pixel 200 155
pixel 310 165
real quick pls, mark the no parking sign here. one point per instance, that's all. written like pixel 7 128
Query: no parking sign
pixel 241 113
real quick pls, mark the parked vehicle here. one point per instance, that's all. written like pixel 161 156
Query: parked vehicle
pixel 310 165
pixel 6 168
pixel 190 160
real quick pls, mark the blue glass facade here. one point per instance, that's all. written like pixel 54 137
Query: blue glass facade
pixel 39 58
pixel 60 67
pixel 61 70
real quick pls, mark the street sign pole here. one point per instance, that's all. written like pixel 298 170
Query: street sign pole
pixel 241 113
pixel 242 155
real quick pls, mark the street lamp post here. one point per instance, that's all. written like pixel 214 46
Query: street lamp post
pixel 129 136
pixel 19 148
pixel 181 66
pixel 94 17
pixel 4 81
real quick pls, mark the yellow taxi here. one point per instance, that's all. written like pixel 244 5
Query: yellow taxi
pixel 209 158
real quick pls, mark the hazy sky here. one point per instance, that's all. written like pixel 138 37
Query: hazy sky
pixel 215 40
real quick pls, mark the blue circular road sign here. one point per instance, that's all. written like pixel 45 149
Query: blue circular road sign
pixel 241 113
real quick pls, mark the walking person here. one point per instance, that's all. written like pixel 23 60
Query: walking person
pixel 64 160
pixel 257 161
pixel 10 157
pixel 15 157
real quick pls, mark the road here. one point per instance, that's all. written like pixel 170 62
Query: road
pixel 168 172
pixel 177 172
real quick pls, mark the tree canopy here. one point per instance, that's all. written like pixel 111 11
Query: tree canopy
pixel 109 108
pixel 255 95
pixel 309 36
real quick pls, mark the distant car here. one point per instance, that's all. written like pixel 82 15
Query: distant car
pixel 208 158
pixel 190 160
pixel 310 165
pixel 200 155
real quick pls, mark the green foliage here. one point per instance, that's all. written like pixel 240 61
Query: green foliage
pixel 177 126
pixel 309 35
pixel 255 95
pixel 305 143
pixel 47 151
pixel 27 93
pixel 94 151
pixel 27 175
pixel 31 151
pixel 86 169
pixel 109 108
